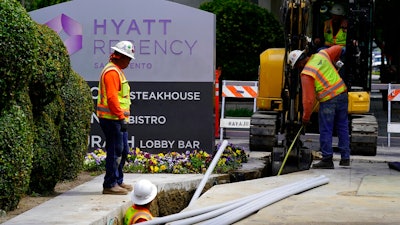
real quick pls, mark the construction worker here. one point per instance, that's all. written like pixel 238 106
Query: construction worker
pixel 142 196
pixel 335 33
pixel 113 109
pixel 320 81
pixel 335 29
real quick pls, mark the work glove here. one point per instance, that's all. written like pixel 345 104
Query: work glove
pixel 124 125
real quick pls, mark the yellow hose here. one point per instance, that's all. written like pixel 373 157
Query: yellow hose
pixel 291 146
pixel 290 149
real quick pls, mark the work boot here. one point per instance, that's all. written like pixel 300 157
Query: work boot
pixel 324 165
pixel 116 190
pixel 126 186
pixel 344 162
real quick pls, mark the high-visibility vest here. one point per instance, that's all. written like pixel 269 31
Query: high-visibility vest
pixel 330 39
pixel 103 111
pixel 132 215
pixel 328 82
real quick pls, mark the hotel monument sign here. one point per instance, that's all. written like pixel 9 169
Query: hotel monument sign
pixel 171 79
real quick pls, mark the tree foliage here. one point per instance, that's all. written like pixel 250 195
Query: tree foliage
pixel 30 5
pixel 243 31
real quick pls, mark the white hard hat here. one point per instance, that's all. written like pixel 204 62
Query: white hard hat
pixel 143 192
pixel 294 56
pixel 126 48
pixel 337 9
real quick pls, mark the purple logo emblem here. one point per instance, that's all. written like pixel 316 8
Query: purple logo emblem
pixel 72 28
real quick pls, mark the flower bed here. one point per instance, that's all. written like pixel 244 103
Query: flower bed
pixel 195 161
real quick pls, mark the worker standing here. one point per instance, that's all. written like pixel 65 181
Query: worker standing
pixel 142 196
pixel 113 110
pixel 320 81
pixel 335 33
pixel 335 28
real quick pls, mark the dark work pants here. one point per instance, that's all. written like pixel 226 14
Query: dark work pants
pixel 334 113
pixel 117 149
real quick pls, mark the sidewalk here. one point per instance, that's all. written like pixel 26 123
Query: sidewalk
pixel 366 193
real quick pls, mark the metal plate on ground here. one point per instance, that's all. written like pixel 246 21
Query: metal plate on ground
pixel 380 186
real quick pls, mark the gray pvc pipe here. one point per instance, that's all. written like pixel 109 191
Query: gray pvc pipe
pixel 210 212
pixel 217 212
pixel 253 206
pixel 209 171
pixel 240 205
pixel 186 214
pixel 232 206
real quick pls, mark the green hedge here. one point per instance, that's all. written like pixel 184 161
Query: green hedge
pixel 78 102
pixel 48 156
pixel 52 70
pixel 45 109
pixel 19 50
pixel 16 147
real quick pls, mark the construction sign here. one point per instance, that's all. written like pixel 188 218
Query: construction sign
pixel 394 95
pixel 237 89
pixel 240 91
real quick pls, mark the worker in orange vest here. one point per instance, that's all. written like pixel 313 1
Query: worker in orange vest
pixel 142 196
pixel 113 110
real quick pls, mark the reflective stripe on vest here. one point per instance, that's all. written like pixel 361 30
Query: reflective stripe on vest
pixel 328 83
pixel 339 39
pixel 103 111
pixel 132 215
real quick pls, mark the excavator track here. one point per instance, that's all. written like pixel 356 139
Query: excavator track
pixel 364 135
pixel 263 131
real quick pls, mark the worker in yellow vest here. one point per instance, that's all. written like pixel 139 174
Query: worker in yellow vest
pixel 320 81
pixel 335 33
pixel 335 29
pixel 113 110
pixel 143 194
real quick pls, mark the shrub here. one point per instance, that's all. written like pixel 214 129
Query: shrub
pixel 239 112
pixel 19 53
pixel 16 146
pixel 48 157
pixel 78 102
pixel 18 48
pixel 35 79
pixel 52 70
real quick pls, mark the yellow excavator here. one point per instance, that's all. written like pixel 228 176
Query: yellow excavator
pixel 275 125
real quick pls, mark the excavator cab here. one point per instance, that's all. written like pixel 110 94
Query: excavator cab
pixel 276 125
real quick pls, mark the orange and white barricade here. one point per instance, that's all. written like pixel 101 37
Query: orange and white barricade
pixel 237 89
pixel 393 95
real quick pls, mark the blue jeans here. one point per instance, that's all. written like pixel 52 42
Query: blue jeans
pixel 334 114
pixel 117 150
